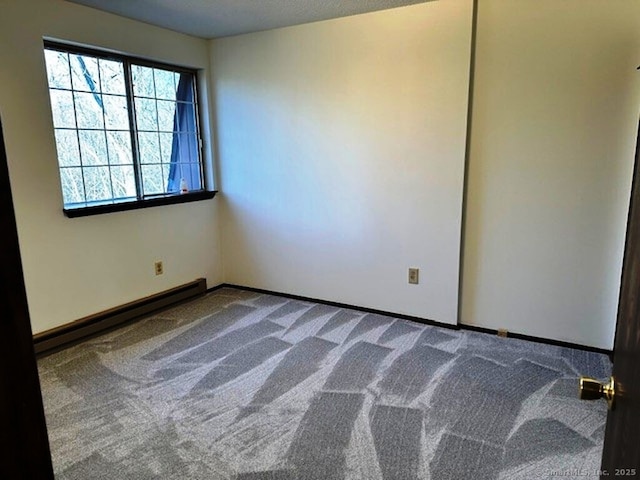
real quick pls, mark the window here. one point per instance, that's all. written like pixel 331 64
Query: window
pixel 126 130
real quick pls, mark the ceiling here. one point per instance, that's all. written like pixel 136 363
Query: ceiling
pixel 221 18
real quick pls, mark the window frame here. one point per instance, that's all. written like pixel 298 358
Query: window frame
pixel 141 200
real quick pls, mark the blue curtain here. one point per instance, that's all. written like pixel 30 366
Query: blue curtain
pixel 184 151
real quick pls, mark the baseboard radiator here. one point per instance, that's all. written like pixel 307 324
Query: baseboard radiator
pixel 66 334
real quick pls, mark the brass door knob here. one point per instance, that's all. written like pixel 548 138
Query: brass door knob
pixel 592 389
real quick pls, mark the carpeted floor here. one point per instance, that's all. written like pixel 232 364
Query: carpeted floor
pixel 238 385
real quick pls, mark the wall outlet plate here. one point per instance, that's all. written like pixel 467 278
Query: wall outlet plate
pixel 414 276
pixel 159 268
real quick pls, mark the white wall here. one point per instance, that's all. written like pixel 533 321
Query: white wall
pixel 556 101
pixel 341 148
pixel 76 267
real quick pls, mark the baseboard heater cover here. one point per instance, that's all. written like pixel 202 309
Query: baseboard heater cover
pixel 98 322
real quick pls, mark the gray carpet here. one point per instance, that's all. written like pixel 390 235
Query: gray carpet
pixel 238 385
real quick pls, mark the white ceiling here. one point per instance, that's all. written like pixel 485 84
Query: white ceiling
pixel 221 18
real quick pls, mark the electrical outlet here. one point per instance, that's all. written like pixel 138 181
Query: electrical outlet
pixel 503 332
pixel 159 268
pixel 414 275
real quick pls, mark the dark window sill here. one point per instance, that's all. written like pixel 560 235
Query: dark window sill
pixel 85 211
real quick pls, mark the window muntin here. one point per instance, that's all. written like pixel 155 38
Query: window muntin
pixel 125 130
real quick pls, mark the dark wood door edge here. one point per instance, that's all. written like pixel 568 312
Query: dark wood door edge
pixel 24 445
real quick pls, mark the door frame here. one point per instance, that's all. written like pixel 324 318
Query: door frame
pixel 24 444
